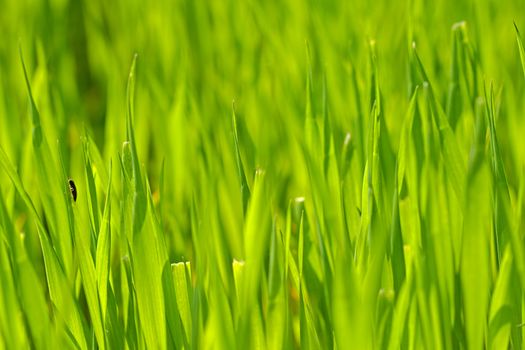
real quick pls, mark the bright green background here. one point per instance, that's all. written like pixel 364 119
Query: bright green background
pixel 364 189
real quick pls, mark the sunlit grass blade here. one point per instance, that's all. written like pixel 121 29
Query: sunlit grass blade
pixel 91 189
pixel 62 295
pixel 245 189
pixel 501 306
pixel 29 302
pixel 396 252
pixel 347 296
pixel 173 317
pixel 147 261
pixel 102 255
pixel 59 288
pixel 83 249
pixel 257 231
pixel 516 235
pixel 454 164
pixel 276 322
pixel 139 197
pixel 87 270
pixel 400 191
pixel 504 234
pixel 501 190
pixel 398 334
pixel 453 106
pixel 60 231
pixel 520 47
pixel 475 258
pixel 181 272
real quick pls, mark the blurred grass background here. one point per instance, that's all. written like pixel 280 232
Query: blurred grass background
pixel 284 64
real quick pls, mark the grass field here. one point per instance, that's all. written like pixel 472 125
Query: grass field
pixel 262 175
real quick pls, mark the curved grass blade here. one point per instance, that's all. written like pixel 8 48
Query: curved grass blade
pixel 520 47
pixel 450 149
pixel 475 259
pixel 55 203
pixel 501 189
pixel 30 294
pixel 245 189
pixel 256 230
pixel 91 188
pixel 148 260
pixel 102 258
pixel 82 246
pixel 139 196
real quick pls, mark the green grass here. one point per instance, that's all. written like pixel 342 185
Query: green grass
pixel 258 175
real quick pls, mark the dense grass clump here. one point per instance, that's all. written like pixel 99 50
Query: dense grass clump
pixel 364 189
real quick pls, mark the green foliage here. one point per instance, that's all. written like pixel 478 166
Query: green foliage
pixel 365 190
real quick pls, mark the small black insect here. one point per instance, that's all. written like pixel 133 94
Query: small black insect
pixel 73 189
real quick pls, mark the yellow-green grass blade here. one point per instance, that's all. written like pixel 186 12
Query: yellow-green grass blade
pixel 173 317
pixel 520 47
pixel 256 233
pixel 147 261
pixel 102 255
pixel 61 295
pixel 182 282
pixel 83 249
pixel 139 197
pixel 59 288
pixel 51 188
pixel 453 106
pixel 91 190
pixel 276 321
pixel 398 335
pixel 400 193
pixel 502 305
pixel 351 318
pixel 504 232
pixel 12 260
pixel 501 188
pixel 88 273
pixel 475 257
pixel 454 164
pixel 245 189
pixel 113 329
